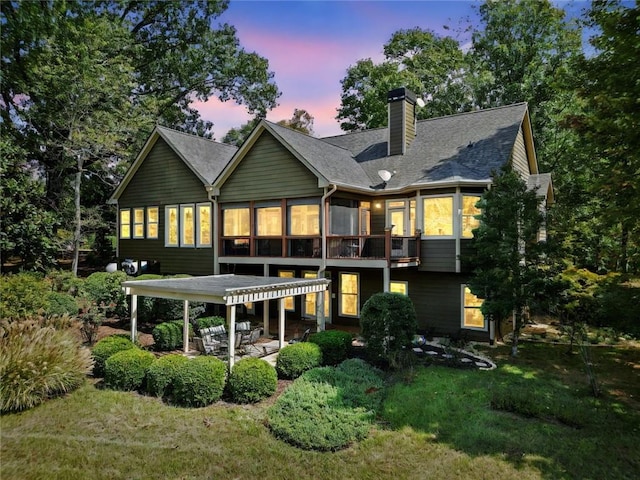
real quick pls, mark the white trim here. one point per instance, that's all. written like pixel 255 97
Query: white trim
pixel 463 307
pixel 340 294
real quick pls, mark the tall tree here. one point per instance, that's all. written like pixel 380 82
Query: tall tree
pixel 429 65
pixel 237 136
pixel 301 121
pixel 510 270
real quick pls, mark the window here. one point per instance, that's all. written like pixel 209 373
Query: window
pixel 396 286
pixel 289 304
pixel 235 222
pixel 438 216
pixel 187 226
pixel 204 225
pixel 125 223
pixel 469 211
pixel 349 295
pixel 472 317
pixel 268 221
pixel 152 222
pixel 310 299
pixel 171 226
pixel 138 223
pixel 304 220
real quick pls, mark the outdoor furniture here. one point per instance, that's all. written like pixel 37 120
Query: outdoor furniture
pixel 214 339
pixel 249 340
pixel 303 338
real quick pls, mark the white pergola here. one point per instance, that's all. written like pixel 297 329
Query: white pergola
pixel 229 290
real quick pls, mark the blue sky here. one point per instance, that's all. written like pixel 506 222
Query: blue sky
pixel 310 45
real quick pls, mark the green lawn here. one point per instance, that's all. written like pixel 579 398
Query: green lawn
pixel 440 426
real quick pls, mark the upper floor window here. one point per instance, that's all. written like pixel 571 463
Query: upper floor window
pixel 138 223
pixel 469 212
pixel 188 225
pixel 171 226
pixel 303 219
pixel 236 221
pixel 125 223
pixel 203 224
pixel 438 216
pixel 268 220
pixel 401 216
pixel 152 222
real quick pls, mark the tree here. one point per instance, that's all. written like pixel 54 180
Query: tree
pixel 237 136
pixel 426 64
pixel 510 267
pixel 301 121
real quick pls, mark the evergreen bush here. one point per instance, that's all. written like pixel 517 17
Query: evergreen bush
pixel 107 347
pixel 126 369
pixel 61 304
pixel 388 324
pixel 161 374
pixel 295 359
pixel 335 345
pixel 23 295
pixel 168 335
pixel 38 362
pixel 252 380
pixel 199 382
pixel 105 289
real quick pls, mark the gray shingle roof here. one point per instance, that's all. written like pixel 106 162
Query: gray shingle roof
pixel 205 157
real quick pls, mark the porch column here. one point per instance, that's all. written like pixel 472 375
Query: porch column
pixel 231 315
pixel 134 317
pixel 185 327
pixel 265 308
pixel 281 312
pixel 386 279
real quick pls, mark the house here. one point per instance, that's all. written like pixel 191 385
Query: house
pixel 386 209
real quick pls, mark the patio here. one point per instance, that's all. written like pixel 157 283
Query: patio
pixel 229 290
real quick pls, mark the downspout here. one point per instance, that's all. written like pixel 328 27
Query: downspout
pixel 213 196
pixel 323 261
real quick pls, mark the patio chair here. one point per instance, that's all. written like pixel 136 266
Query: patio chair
pixel 303 338
pixel 214 339
pixel 249 340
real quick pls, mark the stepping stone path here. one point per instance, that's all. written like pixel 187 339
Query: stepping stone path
pixel 452 357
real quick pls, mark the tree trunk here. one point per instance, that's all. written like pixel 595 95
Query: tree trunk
pixel 517 321
pixel 78 219
pixel 624 245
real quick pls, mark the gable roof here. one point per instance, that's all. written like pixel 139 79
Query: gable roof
pixel 543 186
pixel 204 157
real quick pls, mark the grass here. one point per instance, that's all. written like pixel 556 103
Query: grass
pixel 440 426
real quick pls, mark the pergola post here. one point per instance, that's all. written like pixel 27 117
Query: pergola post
pixel 265 317
pixel 134 317
pixel 281 313
pixel 231 315
pixel 185 327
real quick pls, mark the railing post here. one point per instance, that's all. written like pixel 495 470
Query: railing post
pixel 418 243
pixel 387 244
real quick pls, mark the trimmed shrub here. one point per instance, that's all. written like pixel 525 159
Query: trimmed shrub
pixel 126 369
pixel 335 345
pixel 206 322
pixel 105 289
pixel 199 382
pixel 61 304
pixel 295 359
pixel 38 362
pixel 161 373
pixel 252 380
pixel 168 335
pixel 328 408
pixel 388 323
pixel 63 281
pixel 107 347
pixel 23 295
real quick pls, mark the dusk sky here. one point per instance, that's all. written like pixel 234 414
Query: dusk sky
pixel 310 45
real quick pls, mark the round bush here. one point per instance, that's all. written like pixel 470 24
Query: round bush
pixel 38 362
pixel 297 358
pixel 335 345
pixel 168 335
pixel 388 323
pixel 126 370
pixel 107 347
pixel 252 380
pixel 61 304
pixel 199 382
pixel 161 373
pixel 22 295
pixel 105 288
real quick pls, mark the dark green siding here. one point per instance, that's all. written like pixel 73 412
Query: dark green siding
pixel 438 255
pixel 164 179
pixel 377 219
pixel 269 171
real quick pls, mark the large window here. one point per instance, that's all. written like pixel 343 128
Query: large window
pixel 310 300
pixel 303 219
pixel 125 223
pixel 235 222
pixel 438 216
pixel 469 211
pixel 289 303
pixel 152 222
pixel 472 317
pixel 188 225
pixel 396 286
pixel 349 301
pixel 268 221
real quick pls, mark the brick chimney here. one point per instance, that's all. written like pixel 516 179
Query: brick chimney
pixel 402 120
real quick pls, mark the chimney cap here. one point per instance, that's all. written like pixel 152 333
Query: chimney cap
pixel 401 93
